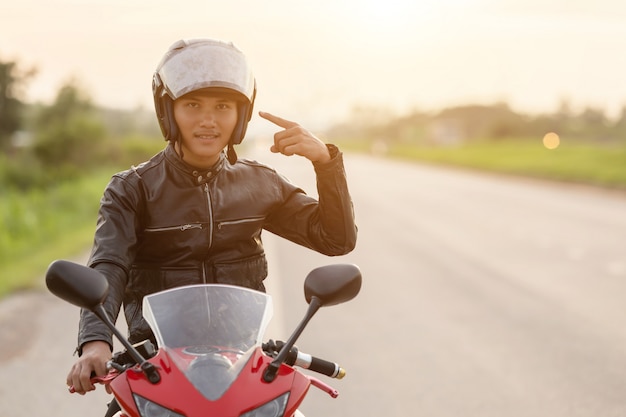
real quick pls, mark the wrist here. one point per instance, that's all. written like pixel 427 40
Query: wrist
pixel 94 345
pixel 329 154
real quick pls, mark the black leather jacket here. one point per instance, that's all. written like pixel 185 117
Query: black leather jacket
pixel 165 224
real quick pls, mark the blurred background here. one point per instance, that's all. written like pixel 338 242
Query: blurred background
pixel 423 97
pixel 318 61
pixel 482 83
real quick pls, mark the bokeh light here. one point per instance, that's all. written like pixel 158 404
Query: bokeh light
pixel 551 140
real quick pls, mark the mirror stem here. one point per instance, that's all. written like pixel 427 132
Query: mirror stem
pixel 148 368
pixel 272 369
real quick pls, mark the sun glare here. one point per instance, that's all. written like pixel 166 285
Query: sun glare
pixel 393 13
pixel 551 140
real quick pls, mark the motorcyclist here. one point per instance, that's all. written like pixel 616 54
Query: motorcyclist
pixel 194 212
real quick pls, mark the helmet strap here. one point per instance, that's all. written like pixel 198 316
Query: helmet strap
pixel 231 154
pixel 180 149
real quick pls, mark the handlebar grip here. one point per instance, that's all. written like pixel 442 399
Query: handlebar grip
pixel 98 379
pixel 321 366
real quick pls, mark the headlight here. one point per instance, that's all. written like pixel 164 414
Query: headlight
pixel 274 408
pixel 149 409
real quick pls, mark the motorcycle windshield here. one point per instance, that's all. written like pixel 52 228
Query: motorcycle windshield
pixel 207 330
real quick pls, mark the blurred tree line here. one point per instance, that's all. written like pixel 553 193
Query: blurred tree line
pixel 497 122
pixel 41 144
pixel 44 144
pixel 55 160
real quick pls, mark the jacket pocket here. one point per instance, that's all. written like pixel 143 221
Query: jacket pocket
pixel 169 245
pixel 248 272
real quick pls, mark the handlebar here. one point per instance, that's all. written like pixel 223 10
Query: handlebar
pixel 120 362
pixel 319 365
pixel 305 361
pixel 113 373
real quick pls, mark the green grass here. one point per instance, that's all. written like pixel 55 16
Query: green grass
pixel 39 226
pixel 28 270
pixel 603 166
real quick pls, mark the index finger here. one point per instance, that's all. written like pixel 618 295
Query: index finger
pixel 279 121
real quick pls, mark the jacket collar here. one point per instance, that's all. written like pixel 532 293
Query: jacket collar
pixel 199 176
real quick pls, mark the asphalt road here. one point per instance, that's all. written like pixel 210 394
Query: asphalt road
pixel 482 296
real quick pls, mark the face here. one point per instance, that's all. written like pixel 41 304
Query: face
pixel 206 123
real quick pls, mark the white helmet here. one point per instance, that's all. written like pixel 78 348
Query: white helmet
pixel 190 65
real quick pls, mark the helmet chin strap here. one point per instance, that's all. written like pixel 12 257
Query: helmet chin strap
pixel 231 154
pixel 178 147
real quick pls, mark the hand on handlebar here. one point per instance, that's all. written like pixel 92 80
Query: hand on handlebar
pixel 100 380
pixel 92 363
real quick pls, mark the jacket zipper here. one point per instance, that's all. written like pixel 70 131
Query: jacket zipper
pixel 210 231
pixel 182 228
pixel 240 221
pixel 208 200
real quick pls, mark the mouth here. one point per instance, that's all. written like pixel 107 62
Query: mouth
pixel 207 135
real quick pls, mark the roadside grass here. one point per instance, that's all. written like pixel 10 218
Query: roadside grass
pixel 27 271
pixel 575 162
pixel 37 227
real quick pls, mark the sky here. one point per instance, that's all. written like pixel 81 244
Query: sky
pixel 316 61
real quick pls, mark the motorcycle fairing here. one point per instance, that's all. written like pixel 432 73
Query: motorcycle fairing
pixel 178 394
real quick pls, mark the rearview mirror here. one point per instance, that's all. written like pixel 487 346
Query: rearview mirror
pixel 87 288
pixel 333 284
pixel 324 286
pixel 77 284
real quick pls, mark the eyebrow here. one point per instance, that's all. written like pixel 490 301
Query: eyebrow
pixel 226 99
pixel 218 97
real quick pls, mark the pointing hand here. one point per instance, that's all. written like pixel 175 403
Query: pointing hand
pixel 296 140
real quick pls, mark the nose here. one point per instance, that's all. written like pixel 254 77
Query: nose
pixel 208 118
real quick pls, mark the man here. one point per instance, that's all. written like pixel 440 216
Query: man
pixel 194 213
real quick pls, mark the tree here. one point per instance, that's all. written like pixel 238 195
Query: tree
pixel 69 136
pixel 11 81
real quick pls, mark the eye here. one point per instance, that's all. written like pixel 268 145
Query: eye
pixel 226 105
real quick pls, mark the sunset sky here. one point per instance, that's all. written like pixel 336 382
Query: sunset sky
pixel 315 60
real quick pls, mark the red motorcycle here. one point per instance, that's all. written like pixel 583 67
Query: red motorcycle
pixel 210 359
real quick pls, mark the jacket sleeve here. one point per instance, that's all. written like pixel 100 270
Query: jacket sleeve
pixel 90 327
pixel 326 225
pixel 114 245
